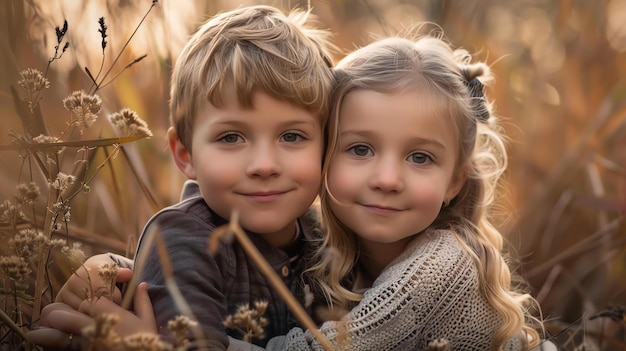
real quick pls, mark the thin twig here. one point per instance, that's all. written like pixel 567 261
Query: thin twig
pixel 276 282
pixel 106 74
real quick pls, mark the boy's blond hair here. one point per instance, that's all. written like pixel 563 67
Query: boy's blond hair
pixel 255 48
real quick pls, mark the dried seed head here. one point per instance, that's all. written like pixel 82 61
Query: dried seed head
pixel 180 327
pixel 101 332
pixel 129 123
pixel 108 273
pixel 439 345
pixel 248 321
pixel 30 240
pixel 75 255
pixel 85 107
pixel 63 181
pixel 103 32
pixel 15 268
pixel 145 342
pixel 9 213
pixel 33 81
pixel 260 307
pixel 27 193
pixel 46 139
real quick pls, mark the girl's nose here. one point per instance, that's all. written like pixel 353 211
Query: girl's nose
pixel 387 176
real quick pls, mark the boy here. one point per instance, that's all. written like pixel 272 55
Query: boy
pixel 249 100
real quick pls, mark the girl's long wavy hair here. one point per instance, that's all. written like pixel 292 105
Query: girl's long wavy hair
pixel 394 65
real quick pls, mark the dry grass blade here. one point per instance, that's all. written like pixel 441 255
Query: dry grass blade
pixel 8 322
pixel 144 187
pixel 584 245
pixel 78 143
pixel 275 281
pixel 175 292
pixel 149 241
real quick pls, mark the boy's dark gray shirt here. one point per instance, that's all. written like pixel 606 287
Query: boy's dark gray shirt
pixel 215 286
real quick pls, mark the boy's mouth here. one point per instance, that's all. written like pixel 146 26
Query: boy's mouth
pixel 264 196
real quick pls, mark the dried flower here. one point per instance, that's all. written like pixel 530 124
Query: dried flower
pixel 33 81
pixel 180 327
pixel 102 332
pixel 129 123
pixel 75 255
pixel 61 31
pixel 85 107
pixel 27 193
pixel 108 273
pixel 15 268
pixel 439 345
pixel 249 322
pixel 145 342
pixel 46 139
pixel 9 213
pixel 103 32
pixel 63 181
pixel 29 240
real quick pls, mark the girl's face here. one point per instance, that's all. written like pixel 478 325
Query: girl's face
pixel 395 165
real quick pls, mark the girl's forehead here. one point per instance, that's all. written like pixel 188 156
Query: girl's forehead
pixel 389 103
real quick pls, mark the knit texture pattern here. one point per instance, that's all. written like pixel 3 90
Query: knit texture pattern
pixel 430 292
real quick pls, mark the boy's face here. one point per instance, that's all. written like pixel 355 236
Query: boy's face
pixel 264 162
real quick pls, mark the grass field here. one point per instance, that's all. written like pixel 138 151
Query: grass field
pixel 560 87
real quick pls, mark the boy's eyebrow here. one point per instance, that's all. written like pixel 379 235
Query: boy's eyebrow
pixel 372 135
pixel 240 123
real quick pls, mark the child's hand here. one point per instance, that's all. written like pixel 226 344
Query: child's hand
pixel 140 321
pixel 77 288
pixel 64 324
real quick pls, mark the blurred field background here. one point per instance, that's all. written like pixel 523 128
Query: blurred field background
pixel 560 86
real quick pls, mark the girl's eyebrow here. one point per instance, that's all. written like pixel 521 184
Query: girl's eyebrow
pixel 372 134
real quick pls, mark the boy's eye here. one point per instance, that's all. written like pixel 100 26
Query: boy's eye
pixel 291 137
pixel 230 138
pixel 419 157
pixel 360 150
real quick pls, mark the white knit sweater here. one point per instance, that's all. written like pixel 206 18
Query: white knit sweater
pixel 429 292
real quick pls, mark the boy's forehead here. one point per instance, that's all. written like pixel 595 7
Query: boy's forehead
pixel 259 106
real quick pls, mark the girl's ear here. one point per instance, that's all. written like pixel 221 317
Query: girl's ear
pixel 180 154
pixel 456 184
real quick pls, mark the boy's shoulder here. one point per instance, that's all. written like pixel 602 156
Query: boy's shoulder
pixel 190 211
pixel 310 223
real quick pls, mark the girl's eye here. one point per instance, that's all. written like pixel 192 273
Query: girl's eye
pixel 291 137
pixel 360 150
pixel 231 139
pixel 419 158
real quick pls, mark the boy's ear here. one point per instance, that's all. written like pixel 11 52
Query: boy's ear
pixel 180 154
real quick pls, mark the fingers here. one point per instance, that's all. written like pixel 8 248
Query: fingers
pixel 143 307
pixel 53 339
pixel 124 275
pixel 86 281
pixel 128 322
pixel 66 319
pixel 48 337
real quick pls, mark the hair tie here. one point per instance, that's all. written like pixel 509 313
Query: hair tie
pixel 475 87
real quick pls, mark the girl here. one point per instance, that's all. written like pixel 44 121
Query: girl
pixel 412 168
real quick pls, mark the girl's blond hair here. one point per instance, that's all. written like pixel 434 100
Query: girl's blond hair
pixel 428 63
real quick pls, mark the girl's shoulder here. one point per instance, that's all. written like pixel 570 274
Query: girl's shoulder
pixel 441 244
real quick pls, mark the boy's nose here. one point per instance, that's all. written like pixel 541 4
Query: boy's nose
pixel 264 162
